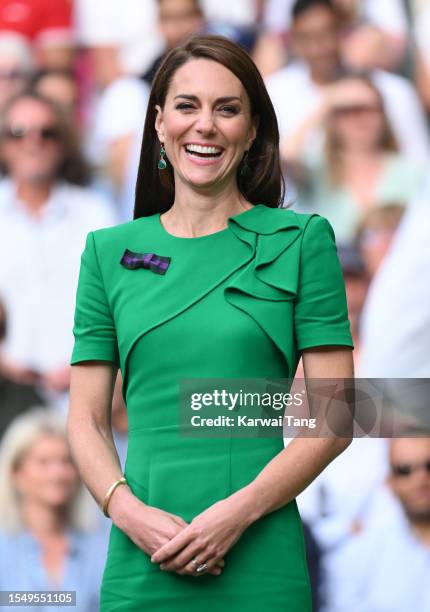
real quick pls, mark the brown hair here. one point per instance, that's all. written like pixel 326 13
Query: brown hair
pixel 333 152
pixel 74 169
pixel 155 191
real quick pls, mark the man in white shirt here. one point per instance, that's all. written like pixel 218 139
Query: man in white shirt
pixel 297 90
pixel 44 221
pixel 388 568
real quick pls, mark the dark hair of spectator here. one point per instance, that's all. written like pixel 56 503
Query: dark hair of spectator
pixel 74 169
pixel 333 148
pixel 155 189
pixel 302 6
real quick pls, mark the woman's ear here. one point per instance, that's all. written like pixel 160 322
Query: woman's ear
pixel 159 123
pixel 254 130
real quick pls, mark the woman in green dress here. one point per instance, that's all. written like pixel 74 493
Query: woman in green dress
pixel 210 280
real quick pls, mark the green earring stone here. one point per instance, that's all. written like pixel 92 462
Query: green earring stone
pixel 162 164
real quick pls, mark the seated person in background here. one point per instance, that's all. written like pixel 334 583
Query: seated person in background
pixel 60 86
pixel 297 90
pixel 48 538
pixel 361 165
pixel 46 212
pixel 177 20
pixel 376 32
pixel 376 232
pixel 388 568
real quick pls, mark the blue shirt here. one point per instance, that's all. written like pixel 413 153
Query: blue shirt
pixel 21 569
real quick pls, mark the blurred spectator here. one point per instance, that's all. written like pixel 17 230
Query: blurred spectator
pixel 61 87
pixel 47 24
pixel 375 32
pixel 388 568
pixel 421 31
pixel 297 90
pixel 122 37
pixel 396 316
pixel 361 166
pixel 113 133
pixel 16 66
pixel 48 518
pixel 45 215
pixel 375 234
pixel 356 286
pixel 342 503
pixel 177 20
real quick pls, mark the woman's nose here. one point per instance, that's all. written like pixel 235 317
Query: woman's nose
pixel 205 123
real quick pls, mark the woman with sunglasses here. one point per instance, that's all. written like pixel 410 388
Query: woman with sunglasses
pixel 360 166
pixel 46 210
pixel 210 280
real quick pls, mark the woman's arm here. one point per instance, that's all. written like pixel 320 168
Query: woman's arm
pixel 89 431
pixel 213 532
pixel 89 427
pixel 304 458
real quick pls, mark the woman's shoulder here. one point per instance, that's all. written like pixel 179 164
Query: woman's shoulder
pixel 280 218
pixel 108 236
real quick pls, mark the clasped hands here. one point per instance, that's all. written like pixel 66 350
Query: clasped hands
pixel 205 540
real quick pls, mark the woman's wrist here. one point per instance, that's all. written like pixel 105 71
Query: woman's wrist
pixel 122 504
pixel 248 503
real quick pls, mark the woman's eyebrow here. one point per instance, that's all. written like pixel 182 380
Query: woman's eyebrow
pixel 217 101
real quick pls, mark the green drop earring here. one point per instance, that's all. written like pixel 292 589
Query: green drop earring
pixel 162 164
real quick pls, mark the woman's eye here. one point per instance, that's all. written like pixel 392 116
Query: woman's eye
pixel 231 110
pixel 184 106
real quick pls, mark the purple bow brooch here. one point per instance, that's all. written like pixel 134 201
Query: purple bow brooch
pixel 150 261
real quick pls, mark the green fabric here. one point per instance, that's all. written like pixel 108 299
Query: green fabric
pixel 239 303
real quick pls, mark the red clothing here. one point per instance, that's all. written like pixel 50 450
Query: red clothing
pixel 44 21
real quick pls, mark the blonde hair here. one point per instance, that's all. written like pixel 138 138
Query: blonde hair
pixel 333 154
pixel 19 437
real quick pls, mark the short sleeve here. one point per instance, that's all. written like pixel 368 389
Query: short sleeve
pixel 321 312
pixel 94 329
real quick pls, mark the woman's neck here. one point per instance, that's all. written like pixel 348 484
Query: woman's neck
pixel 198 213
pixel 43 521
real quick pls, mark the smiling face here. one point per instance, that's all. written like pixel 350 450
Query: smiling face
pixel 205 125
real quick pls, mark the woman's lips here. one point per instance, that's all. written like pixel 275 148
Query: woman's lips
pixel 199 160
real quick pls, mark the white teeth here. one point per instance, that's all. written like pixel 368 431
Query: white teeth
pixel 193 148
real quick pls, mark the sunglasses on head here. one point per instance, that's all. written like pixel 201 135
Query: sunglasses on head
pixel 406 469
pixel 47 133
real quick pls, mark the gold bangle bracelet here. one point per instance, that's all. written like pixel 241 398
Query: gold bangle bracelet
pixel 108 495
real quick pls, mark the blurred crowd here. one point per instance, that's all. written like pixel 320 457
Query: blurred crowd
pixel 350 83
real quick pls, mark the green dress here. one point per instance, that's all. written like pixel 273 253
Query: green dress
pixel 238 303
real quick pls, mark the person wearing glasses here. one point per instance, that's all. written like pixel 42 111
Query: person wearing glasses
pixel 46 210
pixel 388 568
pixel 210 279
